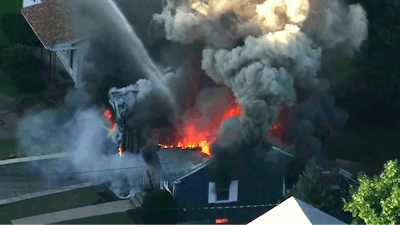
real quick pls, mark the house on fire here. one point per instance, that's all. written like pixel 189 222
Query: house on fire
pixel 195 182
pixel 50 21
pixel 256 184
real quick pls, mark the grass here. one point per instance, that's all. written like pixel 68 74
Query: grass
pixel 50 203
pixel 369 145
pixel 8 147
pixel 114 218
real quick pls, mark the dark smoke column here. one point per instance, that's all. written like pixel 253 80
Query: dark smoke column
pixel 282 44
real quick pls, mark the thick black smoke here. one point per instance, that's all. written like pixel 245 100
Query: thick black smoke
pixel 263 70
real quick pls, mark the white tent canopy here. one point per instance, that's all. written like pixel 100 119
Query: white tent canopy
pixel 294 211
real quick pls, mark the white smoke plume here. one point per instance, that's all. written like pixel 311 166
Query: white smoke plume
pixel 334 25
pixel 91 154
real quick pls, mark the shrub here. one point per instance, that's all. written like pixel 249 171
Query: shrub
pixel 18 57
pixel 18 63
pixel 28 82
pixel 151 213
pixel 17 29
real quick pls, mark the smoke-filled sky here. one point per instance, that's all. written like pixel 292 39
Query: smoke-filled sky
pixel 265 51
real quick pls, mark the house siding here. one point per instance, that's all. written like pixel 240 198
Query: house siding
pixel 258 186
pixel 78 60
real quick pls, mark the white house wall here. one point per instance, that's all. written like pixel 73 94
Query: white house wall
pixel 27 3
pixel 78 60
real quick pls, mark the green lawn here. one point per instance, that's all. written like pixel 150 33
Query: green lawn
pixel 8 147
pixel 114 218
pixel 50 203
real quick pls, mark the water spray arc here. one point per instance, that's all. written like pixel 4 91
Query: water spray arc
pixel 138 50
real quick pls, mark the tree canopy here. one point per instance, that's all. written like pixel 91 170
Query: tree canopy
pixel 19 65
pixel 159 207
pixel 310 189
pixel 377 200
pixel 17 29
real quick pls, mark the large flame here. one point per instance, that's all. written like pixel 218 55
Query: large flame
pixel 235 110
pixel 192 136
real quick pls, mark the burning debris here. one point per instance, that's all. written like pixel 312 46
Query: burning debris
pixel 107 114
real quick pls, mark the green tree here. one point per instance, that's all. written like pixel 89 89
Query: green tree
pixel 17 29
pixel 310 188
pixel 377 200
pixel 159 207
pixel 17 57
pixel 21 69
pixel 372 78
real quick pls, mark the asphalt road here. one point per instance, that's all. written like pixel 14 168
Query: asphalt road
pixel 16 185
pixel 12 182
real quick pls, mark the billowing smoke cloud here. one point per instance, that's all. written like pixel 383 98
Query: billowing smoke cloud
pixel 336 26
pixel 283 44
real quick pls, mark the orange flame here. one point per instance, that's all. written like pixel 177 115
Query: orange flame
pixel 193 138
pixel 275 126
pixel 109 116
pixel 233 111
pixel 219 221
pixel 120 151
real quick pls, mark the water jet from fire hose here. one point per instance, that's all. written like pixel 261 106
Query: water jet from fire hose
pixel 139 52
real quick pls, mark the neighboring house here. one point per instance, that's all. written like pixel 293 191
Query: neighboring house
pixel 27 3
pixel 294 211
pixel 194 182
pixel 50 21
pixel 192 178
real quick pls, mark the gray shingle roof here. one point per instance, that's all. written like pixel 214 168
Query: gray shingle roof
pixel 177 162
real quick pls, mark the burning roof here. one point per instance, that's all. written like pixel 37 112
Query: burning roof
pixel 177 162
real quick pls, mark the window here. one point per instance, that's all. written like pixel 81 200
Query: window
pixel 224 194
pixel 222 191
